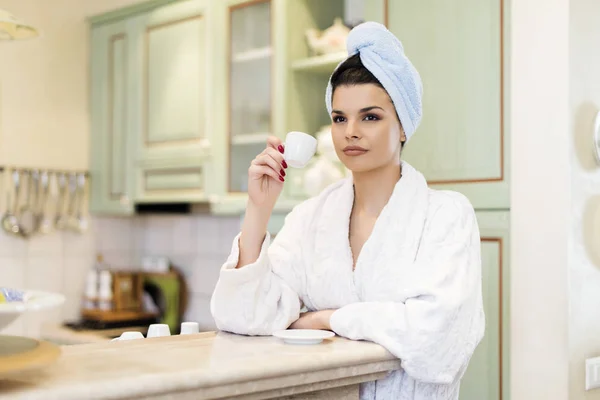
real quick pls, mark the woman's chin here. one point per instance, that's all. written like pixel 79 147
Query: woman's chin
pixel 357 166
pixel 361 165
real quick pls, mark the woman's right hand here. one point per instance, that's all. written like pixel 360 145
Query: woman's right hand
pixel 267 174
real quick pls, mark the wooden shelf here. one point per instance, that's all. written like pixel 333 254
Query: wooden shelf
pixel 319 64
pixel 117 316
pixel 252 55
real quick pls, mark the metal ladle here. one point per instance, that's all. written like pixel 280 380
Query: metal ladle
pixel 27 217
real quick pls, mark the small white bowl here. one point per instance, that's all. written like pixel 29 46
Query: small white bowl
pixel 158 330
pixel 33 300
pixel 189 328
pixel 129 335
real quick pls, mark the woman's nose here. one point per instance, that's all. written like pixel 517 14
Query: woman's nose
pixel 352 130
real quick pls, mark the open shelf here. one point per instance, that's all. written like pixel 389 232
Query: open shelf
pixel 252 55
pixel 319 64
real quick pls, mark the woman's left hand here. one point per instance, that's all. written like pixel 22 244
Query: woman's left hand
pixel 314 320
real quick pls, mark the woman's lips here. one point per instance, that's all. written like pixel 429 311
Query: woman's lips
pixel 354 150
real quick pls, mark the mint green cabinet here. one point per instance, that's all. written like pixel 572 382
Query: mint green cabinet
pixel 204 82
pixel 171 83
pixel 151 105
pixel 459 51
pixel 172 144
pixel 487 376
pixel 111 143
pixel 462 144
pixel 249 105
pixel 244 62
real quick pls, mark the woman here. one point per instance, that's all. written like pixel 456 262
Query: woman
pixel 378 256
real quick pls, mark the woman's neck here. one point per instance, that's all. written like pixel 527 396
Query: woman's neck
pixel 373 189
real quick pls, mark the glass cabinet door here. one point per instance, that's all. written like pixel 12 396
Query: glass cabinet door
pixel 249 87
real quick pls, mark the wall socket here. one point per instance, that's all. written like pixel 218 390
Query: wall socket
pixel 592 373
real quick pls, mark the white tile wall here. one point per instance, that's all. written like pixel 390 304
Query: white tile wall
pixel 56 262
pixel 197 246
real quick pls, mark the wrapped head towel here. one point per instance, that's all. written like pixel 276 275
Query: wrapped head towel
pixel 383 55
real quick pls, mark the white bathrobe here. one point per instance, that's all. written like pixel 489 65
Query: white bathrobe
pixel 416 288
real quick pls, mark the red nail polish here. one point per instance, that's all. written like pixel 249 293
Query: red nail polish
pixel 281 179
pixel 282 172
pixel 280 148
pixel 284 164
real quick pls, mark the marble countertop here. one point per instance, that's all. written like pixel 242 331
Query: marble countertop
pixel 63 335
pixel 207 365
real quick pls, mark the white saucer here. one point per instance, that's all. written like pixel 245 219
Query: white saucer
pixel 303 336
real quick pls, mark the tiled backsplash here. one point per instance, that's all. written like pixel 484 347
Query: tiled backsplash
pixel 197 246
pixel 55 262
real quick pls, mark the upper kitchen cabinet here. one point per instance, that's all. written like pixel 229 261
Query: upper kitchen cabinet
pixel 462 143
pixel 172 112
pixel 150 96
pixel 249 72
pixel 171 80
pixel 250 87
pixel 111 123
pixel 275 83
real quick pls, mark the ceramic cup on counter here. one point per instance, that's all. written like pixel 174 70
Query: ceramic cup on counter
pixel 189 328
pixel 299 149
pixel 129 336
pixel 158 330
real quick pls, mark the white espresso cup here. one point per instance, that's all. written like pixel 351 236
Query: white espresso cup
pixel 158 330
pixel 129 336
pixel 299 149
pixel 189 328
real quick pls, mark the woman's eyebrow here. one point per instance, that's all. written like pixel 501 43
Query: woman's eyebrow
pixel 366 109
pixel 362 110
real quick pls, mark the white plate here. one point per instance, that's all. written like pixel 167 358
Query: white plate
pixel 33 300
pixel 303 336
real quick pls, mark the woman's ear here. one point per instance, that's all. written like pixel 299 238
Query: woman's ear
pixel 402 137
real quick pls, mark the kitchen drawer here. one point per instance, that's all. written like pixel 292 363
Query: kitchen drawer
pixel 171 184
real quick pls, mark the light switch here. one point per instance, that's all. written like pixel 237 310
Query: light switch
pixel 592 373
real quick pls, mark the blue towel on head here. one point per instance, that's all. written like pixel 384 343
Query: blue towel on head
pixel 383 55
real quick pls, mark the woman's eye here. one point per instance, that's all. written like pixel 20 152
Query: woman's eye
pixel 338 119
pixel 371 117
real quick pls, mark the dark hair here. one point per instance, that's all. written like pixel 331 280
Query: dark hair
pixel 353 72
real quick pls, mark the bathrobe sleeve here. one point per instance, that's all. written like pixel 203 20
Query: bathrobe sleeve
pixel 435 330
pixel 263 297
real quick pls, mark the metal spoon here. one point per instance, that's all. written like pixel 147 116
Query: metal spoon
pixel 61 219
pixel 70 216
pixel 44 223
pixel 81 224
pixel 10 222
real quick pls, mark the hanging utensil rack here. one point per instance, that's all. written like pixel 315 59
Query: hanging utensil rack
pixel 41 200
